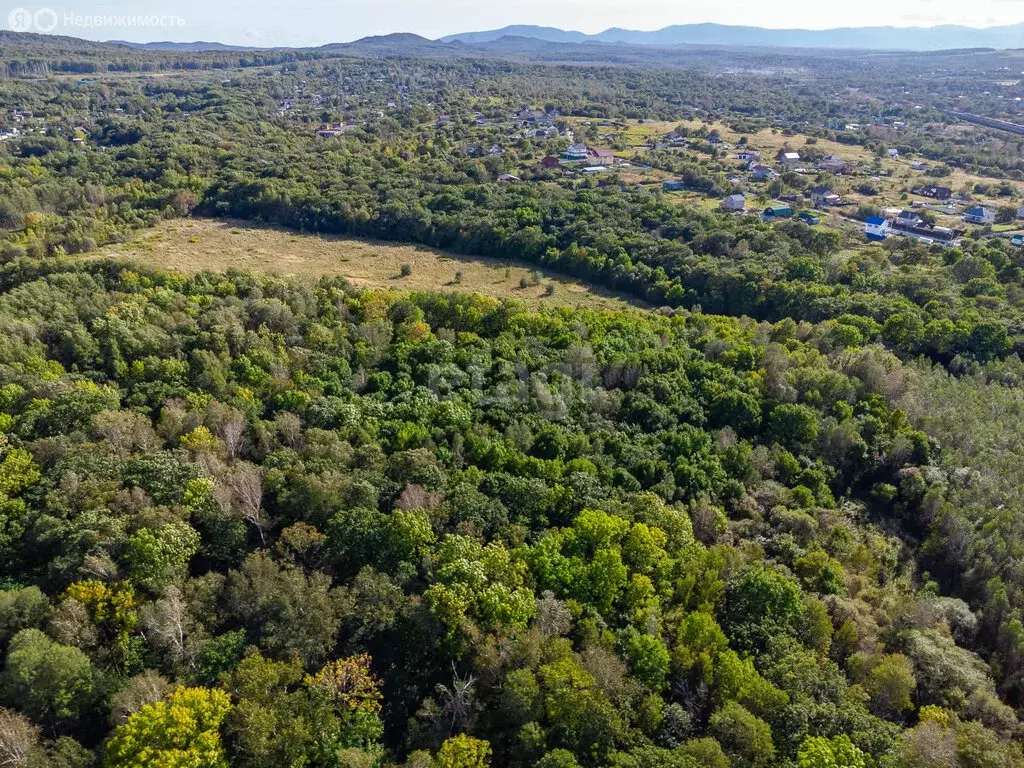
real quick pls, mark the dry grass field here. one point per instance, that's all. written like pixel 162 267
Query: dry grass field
pixel 192 245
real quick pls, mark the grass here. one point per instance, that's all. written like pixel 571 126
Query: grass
pixel 193 245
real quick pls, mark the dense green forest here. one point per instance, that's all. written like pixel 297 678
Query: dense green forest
pixel 774 521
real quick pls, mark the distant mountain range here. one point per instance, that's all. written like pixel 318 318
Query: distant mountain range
pixel 873 38
pixel 167 45
pixel 615 43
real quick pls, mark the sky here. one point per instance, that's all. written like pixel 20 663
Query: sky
pixel 308 22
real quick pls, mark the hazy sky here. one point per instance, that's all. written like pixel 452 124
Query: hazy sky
pixel 306 22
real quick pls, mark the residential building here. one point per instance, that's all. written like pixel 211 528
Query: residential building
pixel 979 215
pixel 330 130
pixel 1017 240
pixel 734 203
pixel 809 218
pixel 909 219
pixel 550 162
pixel 823 196
pixel 936 193
pixel 763 173
pixel 508 178
pixel 789 158
pixel 926 234
pixel 893 153
pixel 576 152
pixel 834 164
pixel 601 157
pixel 748 155
pixel 674 185
pixel 876 228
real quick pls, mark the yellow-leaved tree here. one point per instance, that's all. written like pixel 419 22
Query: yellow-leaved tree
pixel 183 731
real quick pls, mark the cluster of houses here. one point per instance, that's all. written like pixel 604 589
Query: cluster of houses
pixel 910 224
pixel 18 120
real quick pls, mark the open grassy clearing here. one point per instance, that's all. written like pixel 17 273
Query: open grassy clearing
pixel 192 245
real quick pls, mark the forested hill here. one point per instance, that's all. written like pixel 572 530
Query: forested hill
pixel 253 521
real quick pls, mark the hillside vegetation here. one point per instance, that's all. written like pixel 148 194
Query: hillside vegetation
pixel 281 486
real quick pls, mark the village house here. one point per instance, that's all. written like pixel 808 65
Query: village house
pixel 789 158
pixel 909 219
pixel 893 153
pixel 330 130
pixel 807 217
pixel 918 165
pixel 531 115
pixel 925 234
pixel 1017 241
pixel 763 173
pixel 979 215
pixel 444 120
pixel 834 165
pixel 550 162
pixel 823 196
pixel 576 152
pixel 876 228
pixel 734 203
pixel 601 157
pixel 748 155
pixel 675 185
pixel 936 193
pixel 508 178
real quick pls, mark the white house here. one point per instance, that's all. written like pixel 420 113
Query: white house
pixel 576 152
pixel 979 215
pixel 893 153
pixel 789 158
pixel 876 228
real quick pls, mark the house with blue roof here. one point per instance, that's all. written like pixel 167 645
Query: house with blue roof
pixel 876 228
pixel 979 215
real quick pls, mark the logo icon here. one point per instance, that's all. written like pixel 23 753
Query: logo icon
pixel 19 20
pixel 46 20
